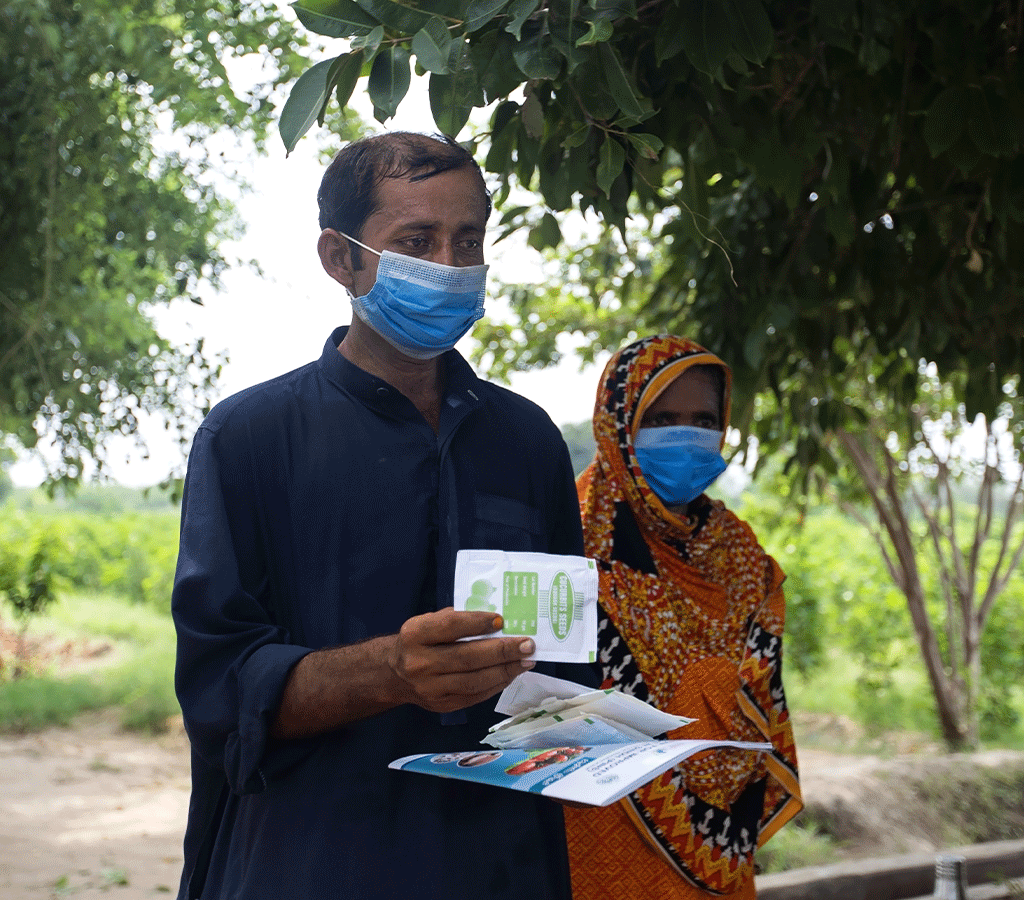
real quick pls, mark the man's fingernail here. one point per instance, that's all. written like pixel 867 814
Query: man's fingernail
pixel 528 663
pixel 497 623
pixel 526 648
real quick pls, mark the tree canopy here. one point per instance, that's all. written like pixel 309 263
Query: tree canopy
pixel 821 177
pixel 108 208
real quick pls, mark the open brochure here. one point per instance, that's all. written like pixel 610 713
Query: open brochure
pixel 571 743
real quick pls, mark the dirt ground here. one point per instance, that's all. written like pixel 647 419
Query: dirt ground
pixel 96 812
pixel 92 811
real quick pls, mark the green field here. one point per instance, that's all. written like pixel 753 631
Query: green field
pixel 110 553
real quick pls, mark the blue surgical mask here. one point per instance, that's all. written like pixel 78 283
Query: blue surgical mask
pixel 679 462
pixel 421 308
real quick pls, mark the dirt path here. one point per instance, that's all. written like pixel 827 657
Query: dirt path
pixel 94 812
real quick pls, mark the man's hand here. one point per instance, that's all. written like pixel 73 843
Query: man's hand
pixel 425 663
pixel 442 673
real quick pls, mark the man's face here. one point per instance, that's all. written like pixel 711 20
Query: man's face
pixel 440 219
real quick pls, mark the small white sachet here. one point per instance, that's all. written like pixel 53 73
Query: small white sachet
pixel 572 714
pixel 549 598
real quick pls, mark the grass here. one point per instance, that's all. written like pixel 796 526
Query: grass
pixel 798 845
pixel 138 679
pixel 886 713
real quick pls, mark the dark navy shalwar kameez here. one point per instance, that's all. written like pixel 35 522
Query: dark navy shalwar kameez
pixel 321 509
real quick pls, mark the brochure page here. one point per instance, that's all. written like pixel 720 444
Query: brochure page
pixel 595 775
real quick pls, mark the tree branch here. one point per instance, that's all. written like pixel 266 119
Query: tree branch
pixel 997 582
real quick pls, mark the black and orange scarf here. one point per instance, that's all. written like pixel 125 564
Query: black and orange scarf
pixel 692 621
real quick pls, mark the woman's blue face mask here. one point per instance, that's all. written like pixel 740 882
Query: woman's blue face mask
pixel 421 308
pixel 679 462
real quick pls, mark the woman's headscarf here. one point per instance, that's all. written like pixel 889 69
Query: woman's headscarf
pixel 694 619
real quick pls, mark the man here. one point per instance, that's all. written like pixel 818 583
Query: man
pixel 320 522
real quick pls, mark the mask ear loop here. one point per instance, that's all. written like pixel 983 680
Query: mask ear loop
pixel 349 237
pixel 360 243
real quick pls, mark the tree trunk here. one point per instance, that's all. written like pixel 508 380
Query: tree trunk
pixel 951 702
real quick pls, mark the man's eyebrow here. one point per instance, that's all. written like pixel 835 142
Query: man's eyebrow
pixel 430 173
pixel 431 225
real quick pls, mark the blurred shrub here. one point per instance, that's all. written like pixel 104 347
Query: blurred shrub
pixel 131 554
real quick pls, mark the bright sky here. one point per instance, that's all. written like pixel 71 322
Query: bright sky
pixel 274 322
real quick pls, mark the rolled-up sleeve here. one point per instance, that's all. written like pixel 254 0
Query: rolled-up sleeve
pixel 233 658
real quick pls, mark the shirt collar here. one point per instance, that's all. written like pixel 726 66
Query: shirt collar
pixel 462 386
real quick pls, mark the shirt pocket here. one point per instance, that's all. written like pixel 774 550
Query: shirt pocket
pixel 501 523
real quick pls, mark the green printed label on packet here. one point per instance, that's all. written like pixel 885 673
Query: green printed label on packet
pixel 561 603
pixel 548 597
pixel 520 603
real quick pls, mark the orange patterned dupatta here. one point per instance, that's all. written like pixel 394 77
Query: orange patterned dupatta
pixel 692 621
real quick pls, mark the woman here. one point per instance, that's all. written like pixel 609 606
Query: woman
pixel 691 621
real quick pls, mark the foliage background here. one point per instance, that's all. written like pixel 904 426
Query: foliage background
pixel 849 646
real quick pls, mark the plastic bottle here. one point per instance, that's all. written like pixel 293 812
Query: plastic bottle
pixel 950 877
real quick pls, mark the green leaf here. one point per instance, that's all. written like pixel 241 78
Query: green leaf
pixel 705 41
pixel 495 66
pixel 946 119
pixel 504 114
pixel 307 98
pixel 611 10
pixel 545 234
pixel 532 114
pixel 453 96
pixel 618 82
pixel 554 186
pixel 752 34
pixel 668 39
pixel 432 45
pixel 610 163
pixel 389 81
pixel 347 76
pixel 994 125
pixel 481 12
pixel 519 12
pixel 504 128
pixel 339 19
pixel 538 58
pixel 592 92
pixel 368 42
pixel 577 137
pixel 332 80
pixel 514 213
pixel 648 145
pixel 527 149
pixel 599 31
pixel 753 347
pixel 396 16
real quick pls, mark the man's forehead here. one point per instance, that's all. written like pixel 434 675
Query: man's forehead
pixel 430 194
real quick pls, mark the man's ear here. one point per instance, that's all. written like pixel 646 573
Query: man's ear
pixel 336 257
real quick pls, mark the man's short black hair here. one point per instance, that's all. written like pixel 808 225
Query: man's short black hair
pixel 349 194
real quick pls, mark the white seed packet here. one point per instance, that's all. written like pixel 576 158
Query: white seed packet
pixel 571 711
pixel 544 596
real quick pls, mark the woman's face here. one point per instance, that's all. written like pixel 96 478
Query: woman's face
pixel 692 399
